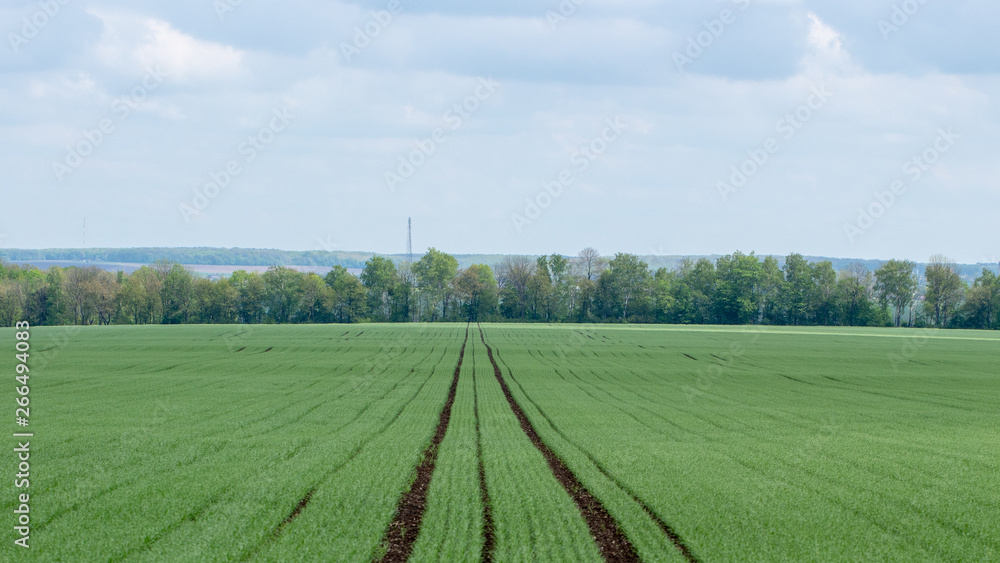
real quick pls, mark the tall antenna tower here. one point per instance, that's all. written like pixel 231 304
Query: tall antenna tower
pixel 409 239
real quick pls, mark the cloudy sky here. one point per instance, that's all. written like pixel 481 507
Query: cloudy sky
pixel 858 128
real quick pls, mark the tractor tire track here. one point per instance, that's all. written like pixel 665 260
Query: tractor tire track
pixel 279 529
pixel 611 541
pixel 667 530
pixel 294 513
pixel 404 529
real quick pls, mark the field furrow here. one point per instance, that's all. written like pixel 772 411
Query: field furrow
pixel 405 526
pixel 611 541
pixel 455 526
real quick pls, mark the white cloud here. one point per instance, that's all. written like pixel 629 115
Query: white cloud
pixel 134 41
pixel 826 55
pixel 824 37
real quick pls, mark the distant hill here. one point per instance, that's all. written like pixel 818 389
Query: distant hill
pixel 320 260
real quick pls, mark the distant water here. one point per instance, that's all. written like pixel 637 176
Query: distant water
pixel 202 269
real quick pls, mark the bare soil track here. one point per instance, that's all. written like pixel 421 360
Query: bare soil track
pixel 405 526
pixel 611 541
pixel 664 527
pixel 294 513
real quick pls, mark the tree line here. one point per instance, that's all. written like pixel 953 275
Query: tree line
pixel 735 289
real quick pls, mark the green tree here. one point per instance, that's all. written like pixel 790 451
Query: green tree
pixel 141 297
pixel 213 302
pixel 738 276
pixel 824 293
pixel 664 300
pixel 250 296
pixel 513 275
pixel 630 281
pixel 584 291
pixel 11 303
pixel 982 303
pixel 32 293
pixel 945 289
pixel 855 296
pixel 379 278
pixel 896 286
pixel 769 287
pixel 282 293
pixel 434 272
pixel 477 291
pixel 799 290
pixel 563 286
pixel 540 291
pixel 348 299
pixel 402 299
pixel 55 300
pixel 695 291
pixel 86 293
pixel 107 302
pixel 176 294
pixel 314 296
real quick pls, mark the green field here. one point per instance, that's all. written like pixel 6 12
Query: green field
pixel 290 443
